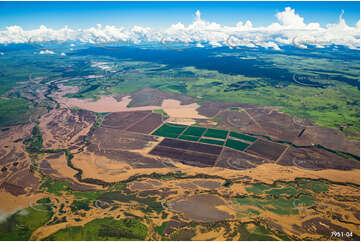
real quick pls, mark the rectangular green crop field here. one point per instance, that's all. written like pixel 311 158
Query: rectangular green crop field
pixel 212 141
pixel 170 130
pixel 238 145
pixel 189 137
pixel 242 136
pixel 216 133
pixel 194 131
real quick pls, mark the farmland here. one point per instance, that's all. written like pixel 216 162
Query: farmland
pixel 231 143
pixel 153 148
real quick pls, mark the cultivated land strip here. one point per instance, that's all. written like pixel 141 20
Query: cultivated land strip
pixel 283 153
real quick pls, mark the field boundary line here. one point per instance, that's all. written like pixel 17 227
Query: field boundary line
pixel 282 154
pixel 131 125
pixel 200 137
pixel 223 147
pixel 192 141
pixel 184 130
pixel 161 124
pixel 241 140
pixel 256 122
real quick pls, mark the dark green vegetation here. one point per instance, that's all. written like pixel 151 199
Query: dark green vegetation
pixel 79 205
pixel 249 76
pixel 14 111
pixel 200 134
pixel 220 74
pixel 22 224
pixel 170 130
pixel 235 144
pixel 84 92
pixel 150 202
pixel 44 200
pixel 242 136
pixel 212 141
pixel 259 233
pixel 55 187
pixel 92 195
pixel 194 131
pixel 315 186
pixel 183 235
pixel 216 133
pixel 160 229
pixel 260 77
pixel 117 187
pixel 35 142
pixel 299 184
pixel 280 205
pixel 189 137
pixel 104 229
pixel 21 67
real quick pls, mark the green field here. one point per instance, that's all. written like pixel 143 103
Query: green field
pixel 283 198
pixel 188 137
pixel 35 143
pixel 338 104
pixel 194 131
pixel 242 136
pixel 235 144
pixel 104 229
pixel 14 111
pixel 22 224
pixel 160 229
pixel 212 141
pixel 170 130
pixel 55 187
pixel 216 133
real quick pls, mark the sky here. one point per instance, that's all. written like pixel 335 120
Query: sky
pixel 215 24
pixel 31 15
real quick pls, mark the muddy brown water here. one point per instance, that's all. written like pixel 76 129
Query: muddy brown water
pixel 200 207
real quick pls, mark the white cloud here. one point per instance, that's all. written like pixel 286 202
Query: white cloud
pixel 199 45
pixel 5 214
pixel 43 52
pixel 290 18
pixel 289 28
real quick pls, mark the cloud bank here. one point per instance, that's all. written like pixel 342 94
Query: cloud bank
pixel 290 29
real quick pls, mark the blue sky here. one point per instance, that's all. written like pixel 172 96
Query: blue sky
pixel 30 15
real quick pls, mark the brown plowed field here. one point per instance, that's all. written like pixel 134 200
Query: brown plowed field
pixel 266 149
pixel 108 138
pixel 238 120
pixel 329 138
pixel 275 124
pixel 316 159
pixel 185 155
pixel 122 120
pixel 148 124
pixel 236 160
pixel 13 189
pixel 191 146
pixel 135 160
